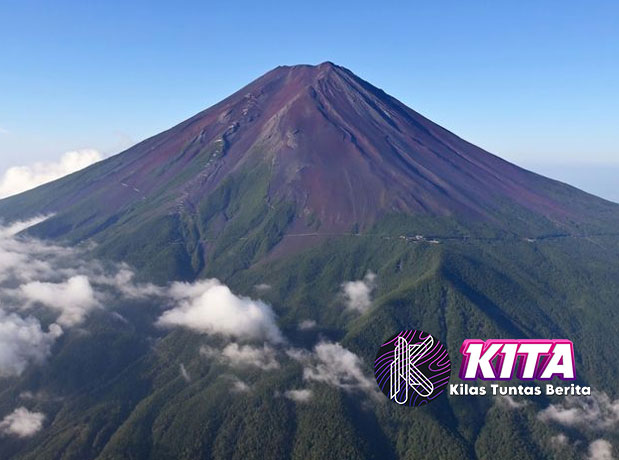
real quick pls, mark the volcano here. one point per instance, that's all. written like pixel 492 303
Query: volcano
pixel 305 180
pixel 321 152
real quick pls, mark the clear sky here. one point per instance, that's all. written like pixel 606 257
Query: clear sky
pixel 536 82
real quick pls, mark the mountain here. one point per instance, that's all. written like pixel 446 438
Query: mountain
pixel 306 179
pixel 317 150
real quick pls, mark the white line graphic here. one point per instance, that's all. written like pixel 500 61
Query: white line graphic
pixel 404 372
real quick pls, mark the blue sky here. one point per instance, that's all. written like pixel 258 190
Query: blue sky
pixel 534 82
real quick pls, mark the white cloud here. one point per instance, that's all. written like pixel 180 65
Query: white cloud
pixel 262 287
pixel 61 278
pixel 559 440
pixel 35 273
pixel 210 307
pixel 117 316
pixel 590 415
pixel 300 396
pixel 16 227
pixel 22 423
pixel 22 341
pixel 334 365
pixel 238 386
pixel 358 293
pixel 124 282
pixel 307 324
pixel 595 412
pixel 18 179
pixel 184 374
pixel 264 357
pixel 244 355
pixel 73 298
pixel 25 259
pixel 510 403
pixel 40 396
pixel 600 449
pixel 299 354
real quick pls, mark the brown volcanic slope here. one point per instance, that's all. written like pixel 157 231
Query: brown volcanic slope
pixel 338 148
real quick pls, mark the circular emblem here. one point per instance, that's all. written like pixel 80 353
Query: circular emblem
pixel 412 368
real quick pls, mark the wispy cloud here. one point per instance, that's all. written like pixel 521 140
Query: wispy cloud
pixel 35 274
pixel 595 412
pixel 184 373
pixel 307 324
pixel 334 365
pixel 238 386
pixel 510 403
pixel 591 416
pixel 244 356
pixel 262 287
pixel 23 341
pixel 559 440
pixel 18 179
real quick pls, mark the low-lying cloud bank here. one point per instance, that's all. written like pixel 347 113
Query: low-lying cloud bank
pixel 592 415
pixel 35 274
pixel 64 282
pixel 328 363
pixel 18 179
pixel 22 423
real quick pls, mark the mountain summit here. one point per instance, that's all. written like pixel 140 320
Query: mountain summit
pixel 303 150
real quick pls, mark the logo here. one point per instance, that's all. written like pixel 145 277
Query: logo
pixel 412 368
pixel 539 359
